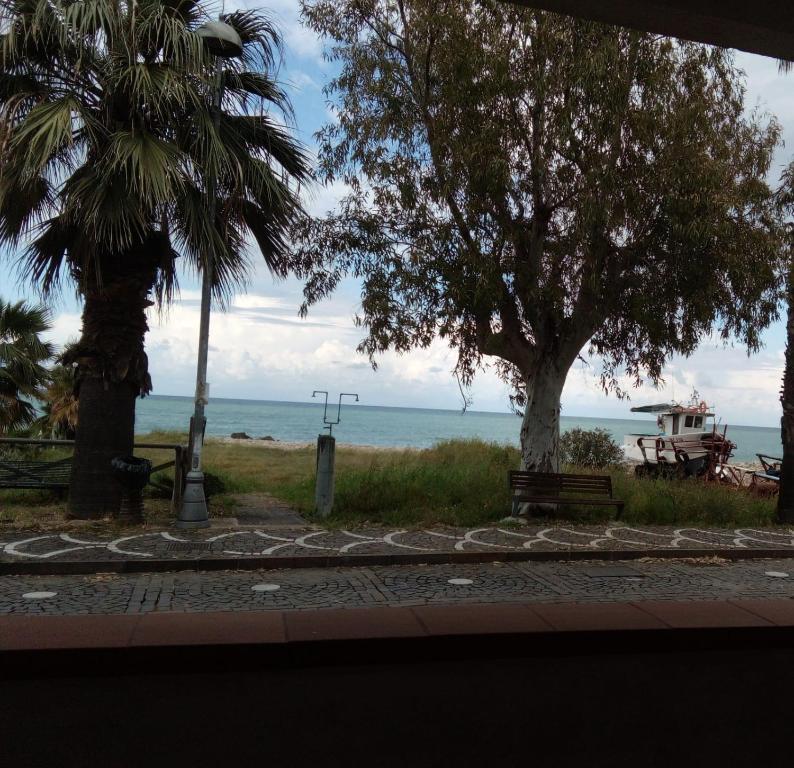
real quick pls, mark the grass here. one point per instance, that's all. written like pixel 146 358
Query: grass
pixel 461 482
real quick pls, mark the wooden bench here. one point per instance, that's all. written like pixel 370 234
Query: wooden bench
pixel 52 475
pixel 550 487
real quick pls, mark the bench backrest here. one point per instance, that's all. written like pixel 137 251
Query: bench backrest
pixel 35 474
pixel 555 484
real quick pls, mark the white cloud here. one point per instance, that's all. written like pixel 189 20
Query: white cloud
pixel 244 301
pixel 320 199
pixel 260 349
pixel 65 329
pixel 302 80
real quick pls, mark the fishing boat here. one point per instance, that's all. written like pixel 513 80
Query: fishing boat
pixel 688 441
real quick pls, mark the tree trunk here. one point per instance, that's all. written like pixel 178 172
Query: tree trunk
pixel 785 504
pixel 540 428
pixel 111 372
pixel 106 429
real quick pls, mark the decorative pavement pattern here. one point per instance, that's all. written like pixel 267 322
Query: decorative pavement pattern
pixel 288 542
pixel 706 579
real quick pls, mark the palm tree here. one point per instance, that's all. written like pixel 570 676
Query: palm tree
pixel 22 353
pixel 59 405
pixel 108 137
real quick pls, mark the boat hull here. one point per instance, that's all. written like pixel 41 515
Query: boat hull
pixel 667 452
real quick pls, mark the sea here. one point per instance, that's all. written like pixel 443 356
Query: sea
pixel 395 427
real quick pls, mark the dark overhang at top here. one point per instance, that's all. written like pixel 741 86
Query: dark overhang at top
pixel 757 26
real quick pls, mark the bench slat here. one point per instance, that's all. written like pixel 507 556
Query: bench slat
pixel 567 500
pixel 550 488
pixel 523 473
pixel 35 474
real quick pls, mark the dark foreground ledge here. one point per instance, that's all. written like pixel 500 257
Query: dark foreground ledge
pixel 652 683
pixel 120 643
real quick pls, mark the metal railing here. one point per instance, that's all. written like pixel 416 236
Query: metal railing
pixel 178 462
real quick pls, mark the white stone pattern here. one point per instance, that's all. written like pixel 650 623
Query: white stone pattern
pixel 248 543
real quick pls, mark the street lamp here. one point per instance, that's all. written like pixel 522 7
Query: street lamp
pixel 223 42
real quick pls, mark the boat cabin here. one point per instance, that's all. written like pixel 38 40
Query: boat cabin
pixel 679 419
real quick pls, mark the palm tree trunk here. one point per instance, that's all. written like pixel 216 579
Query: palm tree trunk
pixel 785 505
pixel 112 372
pixel 106 429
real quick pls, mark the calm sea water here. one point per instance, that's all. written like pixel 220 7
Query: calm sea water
pixel 376 425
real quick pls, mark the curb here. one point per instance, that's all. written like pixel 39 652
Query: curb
pixel 85 567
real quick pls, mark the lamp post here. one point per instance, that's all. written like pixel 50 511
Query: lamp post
pixel 223 42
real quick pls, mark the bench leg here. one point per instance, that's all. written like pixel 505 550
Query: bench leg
pixel 515 507
pixel 619 513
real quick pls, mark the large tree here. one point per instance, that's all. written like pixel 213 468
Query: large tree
pixel 23 356
pixel 526 185
pixel 109 138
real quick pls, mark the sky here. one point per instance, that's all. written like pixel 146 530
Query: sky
pixel 261 349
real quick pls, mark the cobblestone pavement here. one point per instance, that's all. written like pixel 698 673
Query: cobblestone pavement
pixel 707 579
pixel 289 542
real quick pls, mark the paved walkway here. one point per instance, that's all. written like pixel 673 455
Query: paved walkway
pixel 394 586
pixel 283 541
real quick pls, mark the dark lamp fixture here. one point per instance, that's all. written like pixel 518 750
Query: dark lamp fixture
pixel 221 39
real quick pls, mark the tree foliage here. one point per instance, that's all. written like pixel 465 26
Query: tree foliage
pixel 109 137
pixel 526 185
pixel 59 405
pixel 22 357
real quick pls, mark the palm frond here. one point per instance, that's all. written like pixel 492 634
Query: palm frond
pixel 22 354
pixel 44 259
pixel 262 43
pixel 152 167
pixel 24 202
pixel 45 132
pixel 109 142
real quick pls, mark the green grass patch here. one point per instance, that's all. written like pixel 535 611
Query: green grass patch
pixel 459 482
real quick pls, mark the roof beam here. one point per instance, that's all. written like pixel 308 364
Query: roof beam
pixel 763 26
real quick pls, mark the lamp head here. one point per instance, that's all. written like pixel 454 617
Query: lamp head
pixel 221 39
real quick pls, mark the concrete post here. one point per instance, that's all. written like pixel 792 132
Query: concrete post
pixel 324 492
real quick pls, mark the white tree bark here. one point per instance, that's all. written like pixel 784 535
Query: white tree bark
pixel 540 428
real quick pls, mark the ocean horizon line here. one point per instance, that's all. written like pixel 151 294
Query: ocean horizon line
pixel 346 404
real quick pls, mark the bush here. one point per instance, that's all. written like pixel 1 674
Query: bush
pixel 589 448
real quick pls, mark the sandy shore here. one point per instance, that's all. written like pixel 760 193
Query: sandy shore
pixel 289 445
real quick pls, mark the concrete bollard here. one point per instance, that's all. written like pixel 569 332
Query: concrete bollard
pixel 324 492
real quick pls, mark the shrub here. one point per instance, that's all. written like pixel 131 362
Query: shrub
pixel 590 448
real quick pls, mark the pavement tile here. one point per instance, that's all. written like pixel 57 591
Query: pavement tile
pixel 58 632
pixel 362 623
pixel 706 613
pixel 479 619
pixel 224 542
pixel 591 617
pixel 780 612
pixel 230 627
